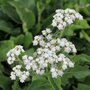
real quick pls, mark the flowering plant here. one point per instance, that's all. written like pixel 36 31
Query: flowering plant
pixel 51 56
pixel 43 47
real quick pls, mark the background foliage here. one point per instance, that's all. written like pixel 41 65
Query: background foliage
pixel 21 20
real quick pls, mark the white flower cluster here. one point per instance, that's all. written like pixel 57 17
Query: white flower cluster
pixel 14 53
pixel 47 41
pixel 29 62
pixel 63 18
pixel 47 54
pixel 51 52
pixel 22 75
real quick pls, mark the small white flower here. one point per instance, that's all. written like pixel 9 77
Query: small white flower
pixel 42 43
pixel 74 50
pixel 28 67
pixel 64 67
pixel 44 32
pixel 30 58
pixel 48 30
pixel 62 43
pixel 60 26
pixel 60 72
pixel 54 75
pixel 53 69
pixel 67 49
pixel 49 37
pixel 53 41
pixel 35 42
pixel 54 24
pixel 23 76
pixel 10 61
pixel 13 76
pixel 71 64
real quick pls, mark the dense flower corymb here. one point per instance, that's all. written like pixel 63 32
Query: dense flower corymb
pixel 52 52
pixel 63 18
pixel 17 72
pixel 14 53
pixel 48 54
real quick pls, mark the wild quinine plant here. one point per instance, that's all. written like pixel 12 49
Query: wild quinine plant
pixel 51 56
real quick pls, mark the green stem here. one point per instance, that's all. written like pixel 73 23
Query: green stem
pixel 19 61
pixel 61 34
pixel 53 83
pixel 25 30
pixel 39 24
pixel 58 34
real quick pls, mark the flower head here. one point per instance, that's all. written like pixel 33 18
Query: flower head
pixel 63 18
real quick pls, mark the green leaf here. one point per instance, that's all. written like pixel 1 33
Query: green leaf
pixel 85 80
pixel 6 26
pixel 78 25
pixel 82 45
pixel 40 84
pixel 58 82
pixel 16 31
pixel 30 51
pixel 80 58
pixel 5 46
pixel 26 15
pixel 54 82
pixel 47 21
pixel 5 82
pixel 85 35
pixel 9 10
pixel 28 40
pixel 18 40
pixel 82 87
pixel 40 6
pixel 78 71
pixel 27 4
pixel 85 11
pixel 83 2
pixel 15 86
